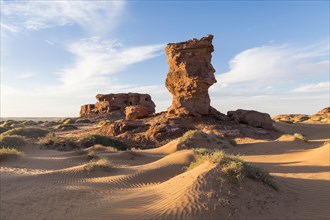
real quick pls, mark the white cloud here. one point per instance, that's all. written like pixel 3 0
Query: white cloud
pixel 277 64
pixel 275 79
pixel 8 27
pixel 311 88
pixel 25 75
pixel 94 16
pixel 50 42
pixel 96 62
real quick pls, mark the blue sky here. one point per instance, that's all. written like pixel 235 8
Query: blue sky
pixel 271 56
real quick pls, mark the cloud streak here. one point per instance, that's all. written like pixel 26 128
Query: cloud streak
pixel 95 17
pixel 97 62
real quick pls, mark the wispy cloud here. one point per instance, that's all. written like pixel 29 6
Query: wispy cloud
pixel 8 27
pixel 94 16
pixel 282 74
pixel 50 42
pixel 313 88
pixel 277 64
pixel 97 61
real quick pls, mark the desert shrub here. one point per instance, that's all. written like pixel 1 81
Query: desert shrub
pixel 101 163
pixel 9 152
pixel 83 120
pixel 68 121
pixel 65 127
pixel 3 129
pixel 100 147
pixel 103 123
pixel 27 132
pixel 49 139
pixel 232 166
pixel 12 141
pixel 92 139
pixel 300 137
pixel 189 138
pixel 29 123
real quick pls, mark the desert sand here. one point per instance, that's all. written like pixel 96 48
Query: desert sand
pixel 153 184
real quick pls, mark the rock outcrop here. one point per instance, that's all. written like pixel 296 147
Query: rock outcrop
pixel 190 76
pixel 116 103
pixel 136 112
pixel 324 111
pixel 252 118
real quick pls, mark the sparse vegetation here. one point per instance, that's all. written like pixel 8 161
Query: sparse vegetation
pixel 101 163
pixel 49 139
pixel 83 120
pixel 189 140
pixel 12 141
pixel 92 139
pixel 29 123
pixel 65 127
pixel 103 123
pixel 300 137
pixel 68 121
pixel 232 166
pixel 9 152
pixel 3 129
pixel 27 132
pixel 99 147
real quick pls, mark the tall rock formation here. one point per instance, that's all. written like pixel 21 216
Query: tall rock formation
pixel 190 76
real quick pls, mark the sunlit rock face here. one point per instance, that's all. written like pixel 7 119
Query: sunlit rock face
pixel 190 76
pixel 110 103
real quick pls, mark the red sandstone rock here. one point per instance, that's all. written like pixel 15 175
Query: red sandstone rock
pixel 109 103
pixel 190 76
pixel 136 112
pixel 252 118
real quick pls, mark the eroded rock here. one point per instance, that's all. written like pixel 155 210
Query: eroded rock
pixel 116 103
pixel 136 112
pixel 252 118
pixel 190 76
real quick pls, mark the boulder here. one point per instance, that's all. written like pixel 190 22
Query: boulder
pixel 136 112
pixel 252 118
pixel 190 76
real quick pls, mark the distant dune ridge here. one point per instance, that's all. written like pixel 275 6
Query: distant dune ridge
pixel 189 162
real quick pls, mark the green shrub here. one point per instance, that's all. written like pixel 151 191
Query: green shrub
pixel 9 152
pixel 69 121
pixel 65 127
pixel 101 163
pixel 232 166
pixel 12 141
pixel 83 120
pixel 49 139
pixel 27 132
pixel 103 123
pixel 92 139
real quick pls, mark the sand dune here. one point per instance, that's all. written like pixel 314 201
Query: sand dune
pixel 153 184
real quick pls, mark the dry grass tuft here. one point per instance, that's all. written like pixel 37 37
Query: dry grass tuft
pixel 12 141
pixel 27 132
pixel 9 153
pixel 232 166
pixel 94 164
